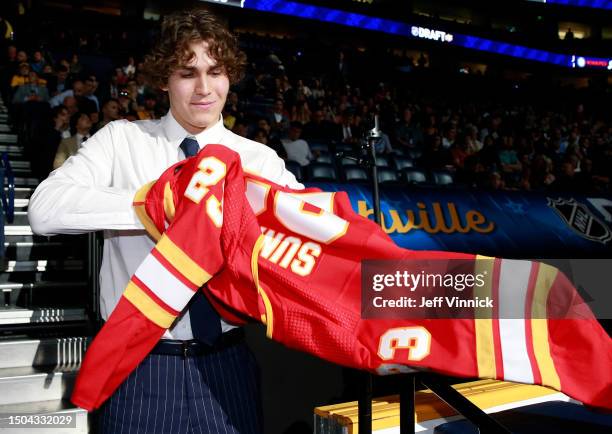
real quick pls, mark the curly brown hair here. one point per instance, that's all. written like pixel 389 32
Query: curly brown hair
pixel 178 31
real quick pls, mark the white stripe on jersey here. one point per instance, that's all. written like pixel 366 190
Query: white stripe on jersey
pixel 163 283
pixel 513 281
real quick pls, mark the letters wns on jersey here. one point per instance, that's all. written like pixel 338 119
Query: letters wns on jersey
pixel 291 259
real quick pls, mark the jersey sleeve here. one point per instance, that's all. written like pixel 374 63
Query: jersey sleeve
pixel 185 257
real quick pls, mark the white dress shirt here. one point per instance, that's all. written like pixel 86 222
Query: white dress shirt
pixel 93 190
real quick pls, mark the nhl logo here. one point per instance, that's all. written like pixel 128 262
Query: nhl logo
pixel 580 219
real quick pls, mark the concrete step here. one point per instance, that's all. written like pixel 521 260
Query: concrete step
pixel 20 218
pixel 29 250
pixel 11 286
pixel 78 424
pixel 22 192
pixel 21 166
pixel 11 148
pixel 8 138
pixel 17 315
pixel 26 181
pixel 36 384
pixel 58 352
pixel 21 203
pixel 14 230
pixel 43 265
pixel 44 289
pixel 5 128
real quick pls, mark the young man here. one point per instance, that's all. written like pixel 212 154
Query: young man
pixel 208 384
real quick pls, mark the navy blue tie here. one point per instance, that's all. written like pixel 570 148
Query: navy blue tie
pixel 205 321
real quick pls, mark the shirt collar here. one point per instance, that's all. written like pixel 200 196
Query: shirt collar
pixel 175 133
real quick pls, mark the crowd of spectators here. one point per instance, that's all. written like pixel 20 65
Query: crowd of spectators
pixel 309 105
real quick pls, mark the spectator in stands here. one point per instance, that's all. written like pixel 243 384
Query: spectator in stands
pixel 300 112
pixel 347 132
pixel 80 126
pixel 261 136
pixel 242 129
pixel 542 175
pixel 71 105
pixel 75 65
pixel 22 76
pixel 130 68
pixel 460 151
pixel 318 129
pixel 148 110
pixel 77 90
pixel 33 90
pixel 297 148
pixel 317 90
pixel 510 164
pixel 11 57
pixel 450 135
pixel 407 134
pixel 434 155
pixel 301 90
pixel 112 89
pixel 140 88
pixel 57 83
pixel 383 145
pixel 471 136
pixel 110 112
pixel 127 104
pixel 121 78
pixel 234 106
pixel 46 141
pixel 279 119
pixel 495 182
pixel 8 68
pixel 90 85
pixel 61 122
pixel 38 62
pixel 22 57
pixel 565 180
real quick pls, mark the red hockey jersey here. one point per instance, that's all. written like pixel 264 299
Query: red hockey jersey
pixel 292 259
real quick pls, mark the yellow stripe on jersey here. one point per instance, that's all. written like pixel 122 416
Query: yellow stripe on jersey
pixel 139 208
pixel 147 306
pixel 182 262
pixel 539 326
pixel 168 202
pixel 485 351
pixel 268 318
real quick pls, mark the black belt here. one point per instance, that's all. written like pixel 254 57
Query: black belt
pixel 194 347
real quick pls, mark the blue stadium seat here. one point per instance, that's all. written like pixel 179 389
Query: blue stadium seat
pixel 382 161
pixel 343 147
pixel 387 176
pixel 325 157
pixel 442 177
pixel 345 161
pixel 322 172
pixel 318 146
pixel 403 162
pixel 413 175
pixel 295 168
pixel 415 154
pixel 355 174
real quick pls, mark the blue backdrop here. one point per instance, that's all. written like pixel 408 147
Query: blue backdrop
pixel 508 223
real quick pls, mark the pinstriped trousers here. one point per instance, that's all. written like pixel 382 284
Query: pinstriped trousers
pixel 215 393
